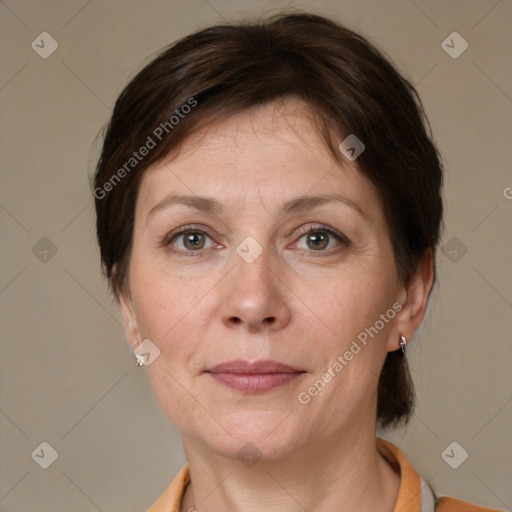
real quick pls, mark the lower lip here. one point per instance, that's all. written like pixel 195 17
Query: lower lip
pixel 255 382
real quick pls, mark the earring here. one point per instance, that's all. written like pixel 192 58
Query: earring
pixel 403 343
pixel 139 360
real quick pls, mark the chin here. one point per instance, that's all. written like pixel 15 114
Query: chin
pixel 257 434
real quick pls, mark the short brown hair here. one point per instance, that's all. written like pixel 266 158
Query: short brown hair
pixel 352 89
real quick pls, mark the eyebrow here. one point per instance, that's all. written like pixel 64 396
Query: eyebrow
pixel 296 205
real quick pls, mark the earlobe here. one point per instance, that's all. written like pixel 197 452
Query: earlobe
pixel 414 304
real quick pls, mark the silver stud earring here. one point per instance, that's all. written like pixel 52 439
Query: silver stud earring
pixel 403 343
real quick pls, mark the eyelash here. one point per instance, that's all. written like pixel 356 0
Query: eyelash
pixel 318 228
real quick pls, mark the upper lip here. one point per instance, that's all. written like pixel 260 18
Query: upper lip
pixel 256 367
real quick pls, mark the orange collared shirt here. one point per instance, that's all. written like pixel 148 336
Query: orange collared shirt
pixel 409 493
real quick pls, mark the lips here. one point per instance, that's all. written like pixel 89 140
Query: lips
pixel 264 366
pixel 255 377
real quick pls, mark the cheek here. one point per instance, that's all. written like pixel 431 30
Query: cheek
pixel 345 382
pixel 356 302
pixel 176 402
pixel 166 304
pixel 356 311
pixel 169 314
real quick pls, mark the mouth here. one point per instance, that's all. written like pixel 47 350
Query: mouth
pixel 256 377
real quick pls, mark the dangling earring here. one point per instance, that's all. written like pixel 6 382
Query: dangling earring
pixel 403 343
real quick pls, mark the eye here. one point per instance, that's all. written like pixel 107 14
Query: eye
pixel 188 239
pixel 322 239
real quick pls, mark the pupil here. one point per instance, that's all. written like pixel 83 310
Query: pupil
pixel 317 239
pixel 193 240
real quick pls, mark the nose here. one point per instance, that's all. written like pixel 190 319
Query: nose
pixel 254 296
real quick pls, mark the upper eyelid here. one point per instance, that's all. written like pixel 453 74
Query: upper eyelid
pixel 320 227
pixel 183 230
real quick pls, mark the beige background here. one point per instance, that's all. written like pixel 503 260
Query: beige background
pixel 67 375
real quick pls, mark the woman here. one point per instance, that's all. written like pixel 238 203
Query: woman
pixel 268 208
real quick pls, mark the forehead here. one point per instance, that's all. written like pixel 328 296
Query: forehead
pixel 272 151
pixel 288 121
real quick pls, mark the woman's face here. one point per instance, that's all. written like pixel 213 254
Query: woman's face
pixel 252 281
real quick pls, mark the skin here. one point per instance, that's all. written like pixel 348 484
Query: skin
pixel 297 303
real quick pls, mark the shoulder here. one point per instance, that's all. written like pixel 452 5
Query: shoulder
pixel 454 505
pixel 414 490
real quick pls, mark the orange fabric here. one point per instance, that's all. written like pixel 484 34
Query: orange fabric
pixel 409 492
pixel 408 495
pixel 170 500
pixel 454 505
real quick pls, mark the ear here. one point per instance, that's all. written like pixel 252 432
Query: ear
pixel 131 328
pixel 414 299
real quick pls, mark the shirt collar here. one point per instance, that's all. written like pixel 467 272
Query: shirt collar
pixel 409 493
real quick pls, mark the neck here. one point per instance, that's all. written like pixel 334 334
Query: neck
pixel 346 473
